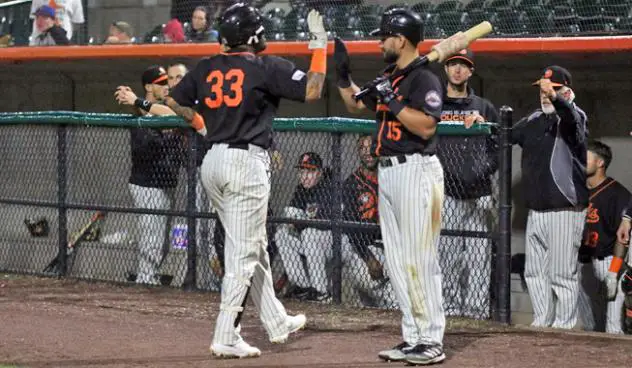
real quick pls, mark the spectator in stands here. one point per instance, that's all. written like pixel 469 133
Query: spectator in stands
pixel 173 32
pixel 156 161
pixel 48 33
pixel 120 32
pixel 199 30
pixel 362 250
pixel 68 14
pixel 181 9
pixel 300 243
pixel 468 165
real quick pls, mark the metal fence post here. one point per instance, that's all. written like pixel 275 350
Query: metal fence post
pixel 62 210
pixel 336 279
pixel 189 282
pixel 503 257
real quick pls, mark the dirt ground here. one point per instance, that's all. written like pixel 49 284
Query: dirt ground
pixel 68 323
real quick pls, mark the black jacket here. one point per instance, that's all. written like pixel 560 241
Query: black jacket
pixel 553 157
pixel 468 161
pixel 156 157
pixel 317 202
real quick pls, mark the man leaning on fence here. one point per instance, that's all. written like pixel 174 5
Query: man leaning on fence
pixel 305 250
pixel 156 160
pixel 468 165
pixel 553 141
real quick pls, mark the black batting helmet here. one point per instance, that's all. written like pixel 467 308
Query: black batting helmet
pixel 400 21
pixel 242 24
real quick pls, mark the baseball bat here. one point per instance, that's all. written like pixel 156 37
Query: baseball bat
pixel 441 51
pixel 75 239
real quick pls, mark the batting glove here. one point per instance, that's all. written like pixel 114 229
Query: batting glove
pixel 316 30
pixel 384 88
pixel 612 284
pixel 342 62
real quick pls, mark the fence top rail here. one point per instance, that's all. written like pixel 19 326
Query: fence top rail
pixel 319 124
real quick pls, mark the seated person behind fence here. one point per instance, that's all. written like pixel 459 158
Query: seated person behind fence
pixel 199 30
pixel 120 32
pixel 362 249
pixel 173 32
pixel 68 14
pixel 49 33
pixel 299 244
pixel 156 159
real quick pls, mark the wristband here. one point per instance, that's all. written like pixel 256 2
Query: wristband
pixel 395 106
pixel 616 264
pixel 198 124
pixel 319 61
pixel 143 104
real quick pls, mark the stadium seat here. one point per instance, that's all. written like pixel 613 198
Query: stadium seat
pixel 565 20
pixel 525 4
pixel 499 4
pixel 448 23
pixel 475 16
pixel 509 22
pixel 474 5
pixel 447 6
pixel 556 3
pixel 538 20
pixel 274 25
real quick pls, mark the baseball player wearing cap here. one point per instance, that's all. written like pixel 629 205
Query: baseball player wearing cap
pixel 156 159
pixel 465 261
pixel 553 141
pixel 311 200
pixel 410 180
pixel 238 93
pixel 621 249
pixel 607 202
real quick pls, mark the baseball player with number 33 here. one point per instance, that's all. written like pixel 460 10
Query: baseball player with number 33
pixel 239 94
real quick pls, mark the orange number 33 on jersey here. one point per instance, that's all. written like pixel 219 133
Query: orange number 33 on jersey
pixel 235 80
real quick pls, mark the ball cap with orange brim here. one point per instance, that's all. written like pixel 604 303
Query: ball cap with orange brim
pixel 465 55
pixel 558 76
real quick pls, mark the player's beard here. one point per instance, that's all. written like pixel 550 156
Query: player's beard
pixel 548 109
pixel 390 56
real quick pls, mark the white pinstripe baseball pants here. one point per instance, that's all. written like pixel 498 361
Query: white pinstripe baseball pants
pixel 466 261
pixel 410 201
pixel 238 183
pixel 552 242
pixel 593 292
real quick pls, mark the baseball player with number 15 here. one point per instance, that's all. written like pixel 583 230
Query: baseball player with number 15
pixel 239 94
pixel 410 180
pixel 621 249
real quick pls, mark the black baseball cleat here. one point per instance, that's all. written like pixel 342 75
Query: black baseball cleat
pixel 425 355
pixel 396 354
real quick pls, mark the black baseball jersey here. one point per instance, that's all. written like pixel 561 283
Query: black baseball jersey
pixel 157 155
pixel 468 161
pixel 421 90
pixel 553 157
pixel 239 94
pixel 607 203
pixel 360 205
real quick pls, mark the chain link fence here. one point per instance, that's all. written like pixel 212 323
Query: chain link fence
pixel 119 198
pixel 195 20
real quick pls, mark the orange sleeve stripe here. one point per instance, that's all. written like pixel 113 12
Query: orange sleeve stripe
pixel 198 122
pixel 616 264
pixel 319 61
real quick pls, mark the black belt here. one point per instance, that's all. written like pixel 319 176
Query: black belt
pixel 242 146
pixel 386 161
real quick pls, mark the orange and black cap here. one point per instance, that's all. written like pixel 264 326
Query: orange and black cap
pixel 310 161
pixel 155 75
pixel 559 76
pixel 465 55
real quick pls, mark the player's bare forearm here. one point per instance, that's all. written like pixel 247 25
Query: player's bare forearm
pixel 161 110
pixel 620 250
pixel 186 112
pixel 417 122
pixel 315 84
pixel 352 105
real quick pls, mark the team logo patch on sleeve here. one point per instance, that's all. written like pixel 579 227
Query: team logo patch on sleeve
pixel 298 75
pixel 433 99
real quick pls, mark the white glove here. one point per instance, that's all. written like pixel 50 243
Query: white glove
pixel 316 30
pixel 612 284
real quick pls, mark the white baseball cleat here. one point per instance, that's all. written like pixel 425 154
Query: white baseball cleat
pixel 240 350
pixel 293 323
